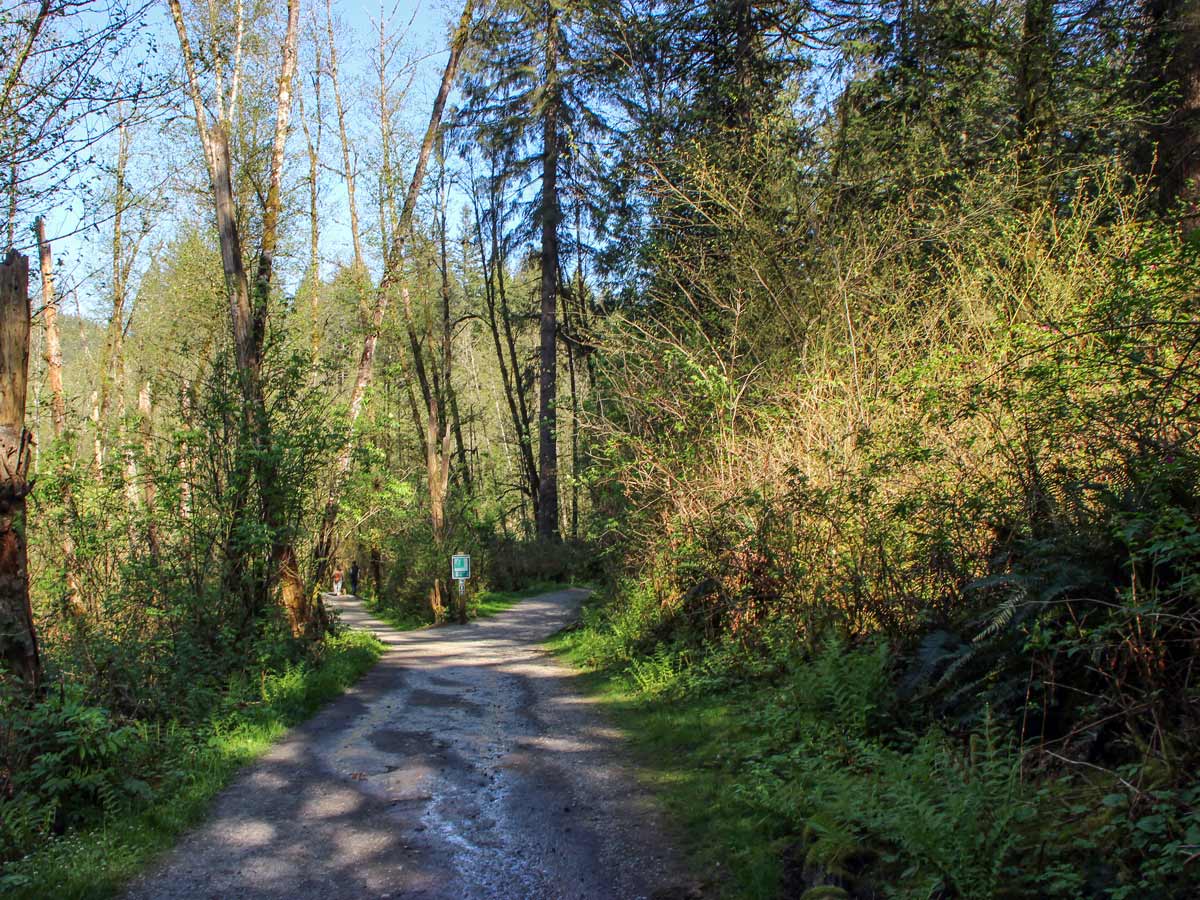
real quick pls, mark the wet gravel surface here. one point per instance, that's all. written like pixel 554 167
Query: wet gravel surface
pixel 464 765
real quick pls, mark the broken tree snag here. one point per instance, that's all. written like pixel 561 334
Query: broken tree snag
pixel 149 488
pixel 18 641
pixel 53 356
pixel 54 366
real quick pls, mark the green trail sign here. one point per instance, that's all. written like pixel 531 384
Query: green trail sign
pixel 460 566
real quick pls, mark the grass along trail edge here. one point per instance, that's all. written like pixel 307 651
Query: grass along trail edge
pixel 97 862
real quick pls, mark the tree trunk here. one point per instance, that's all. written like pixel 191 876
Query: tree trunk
pixel 377 571
pixel 1034 67
pixel 132 498
pixel 436 439
pixel 314 233
pixel 744 53
pixel 437 600
pixel 58 406
pixel 237 283
pixel 113 365
pixel 449 398
pixel 574 403
pixel 18 638
pixel 149 489
pixel 547 515
pixel 387 192
pixel 460 444
pixel 53 354
pixel 248 313
pixel 97 443
pixel 186 467
pixel 500 324
pixel 306 616
pixel 274 199
pixel 360 267
pixel 305 613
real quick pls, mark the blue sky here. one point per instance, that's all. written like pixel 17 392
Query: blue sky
pixel 83 256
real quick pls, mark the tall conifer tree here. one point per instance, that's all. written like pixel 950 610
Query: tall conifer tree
pixel 525 103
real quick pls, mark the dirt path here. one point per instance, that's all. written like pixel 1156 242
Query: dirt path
pixel 464 765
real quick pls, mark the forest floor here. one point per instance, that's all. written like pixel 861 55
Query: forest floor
pixel 466 764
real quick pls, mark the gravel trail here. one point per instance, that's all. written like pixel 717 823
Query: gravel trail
pixel 463 766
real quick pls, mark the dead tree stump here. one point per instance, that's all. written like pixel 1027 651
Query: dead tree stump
pixel 18 640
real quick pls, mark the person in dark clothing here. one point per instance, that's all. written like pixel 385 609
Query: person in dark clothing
pixel 354 578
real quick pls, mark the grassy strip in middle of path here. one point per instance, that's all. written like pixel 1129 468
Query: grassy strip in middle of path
pixel 480 606
pixel 97 862
pixel 681 744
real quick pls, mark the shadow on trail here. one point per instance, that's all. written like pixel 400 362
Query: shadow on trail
pixel 463 765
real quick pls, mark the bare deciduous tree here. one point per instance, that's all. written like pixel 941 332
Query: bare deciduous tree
pixel 57 59
pixel 390 282
pixel 248 303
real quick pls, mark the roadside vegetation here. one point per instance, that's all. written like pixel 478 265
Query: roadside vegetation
pixel 121 790
pixel 933 635
pixel 816 776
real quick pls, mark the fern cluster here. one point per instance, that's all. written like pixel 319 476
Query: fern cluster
pixel 867 787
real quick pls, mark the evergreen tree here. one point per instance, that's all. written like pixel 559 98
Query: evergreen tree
pixel 526 107
pixel 691 85
pixel 1171 71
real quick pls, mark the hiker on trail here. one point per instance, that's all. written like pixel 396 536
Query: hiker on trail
pixel 354 578
pixel 337 582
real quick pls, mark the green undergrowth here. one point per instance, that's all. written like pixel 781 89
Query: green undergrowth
pixel 480 605
pixel 192 763
pixel 800 772
pixel 682 744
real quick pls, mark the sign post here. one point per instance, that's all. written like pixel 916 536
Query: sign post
pixel 460 569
